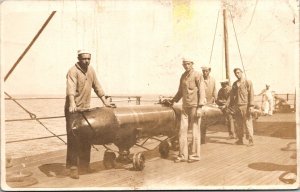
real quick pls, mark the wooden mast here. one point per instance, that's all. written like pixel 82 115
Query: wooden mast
pixel 226 44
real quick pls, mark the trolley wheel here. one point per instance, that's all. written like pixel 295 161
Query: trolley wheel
pixel 138 161
pixel 164 148
pixel 109 159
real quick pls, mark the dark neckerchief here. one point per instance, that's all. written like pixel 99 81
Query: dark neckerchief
pixel 78 67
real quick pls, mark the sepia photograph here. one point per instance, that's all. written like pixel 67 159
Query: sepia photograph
pixel 149 95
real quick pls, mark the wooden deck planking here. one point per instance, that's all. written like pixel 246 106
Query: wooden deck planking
pixel 220 175
pixel 205 165
pixel 222 164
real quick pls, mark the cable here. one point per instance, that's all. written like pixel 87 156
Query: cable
pixel 212 47
pixel 237 44
pixel 54 117
pixel 16 141
pixel 33 116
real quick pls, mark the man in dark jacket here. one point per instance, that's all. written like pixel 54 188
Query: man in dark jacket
pixel 242 99
pixel 223 96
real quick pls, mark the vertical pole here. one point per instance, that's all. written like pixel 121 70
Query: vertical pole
pixel 226 46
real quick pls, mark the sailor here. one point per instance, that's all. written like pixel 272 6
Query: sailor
pixel 223 96
pixel 268 100
pixel 191 90
pixel 81 78
pixel 210 85
pixel 211 96
pixel 242 100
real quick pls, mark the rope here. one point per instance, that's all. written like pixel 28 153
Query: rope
pixel 33 117
pixel 237 44
pixel 55 117
pixel 36 98
pixel 15 141
pixel 212 47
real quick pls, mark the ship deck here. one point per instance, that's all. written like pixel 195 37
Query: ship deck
pixel 270 163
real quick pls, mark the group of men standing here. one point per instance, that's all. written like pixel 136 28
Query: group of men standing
pixel 197 89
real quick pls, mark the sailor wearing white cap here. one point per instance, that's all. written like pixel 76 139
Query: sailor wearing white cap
pixel 81 78
pixel 191 90
pixel 222 99
pixel 210 85
pixel 210 93
pixel 83 51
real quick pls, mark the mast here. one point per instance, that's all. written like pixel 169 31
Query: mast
pixel 226 45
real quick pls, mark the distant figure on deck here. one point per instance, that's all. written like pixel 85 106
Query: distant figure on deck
pixel 210 96
pixel 242 101
pixel 268 100
pixel 223 96
pixel 81 78
pixel 191 90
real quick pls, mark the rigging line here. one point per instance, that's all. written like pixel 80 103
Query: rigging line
pixel 29 46
pixel 50 131
pixel 212 47
pixel 251 17
pixel 237 44
pixel 21 140
pixel 55 117
pixel 36 98
pixel 33 116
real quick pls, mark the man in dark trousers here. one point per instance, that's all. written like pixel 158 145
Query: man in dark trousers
pixel 81 78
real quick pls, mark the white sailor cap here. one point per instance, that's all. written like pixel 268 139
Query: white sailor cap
pixel 206 68
pixel 223 81
pixel 187 59
pixel 83 51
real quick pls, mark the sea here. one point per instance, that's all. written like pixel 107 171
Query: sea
pixel 32 129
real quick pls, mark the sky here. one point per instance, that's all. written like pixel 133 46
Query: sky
pixel 137 46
